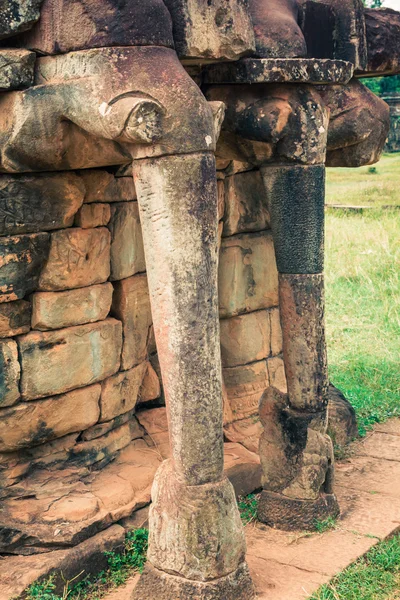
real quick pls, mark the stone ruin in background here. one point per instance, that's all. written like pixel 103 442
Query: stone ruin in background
pixel 393 141
pixel 226 114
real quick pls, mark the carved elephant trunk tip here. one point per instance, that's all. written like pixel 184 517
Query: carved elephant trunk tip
pixel 133 119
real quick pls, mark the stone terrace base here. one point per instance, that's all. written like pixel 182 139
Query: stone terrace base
pixel 290 514
pixel 157 585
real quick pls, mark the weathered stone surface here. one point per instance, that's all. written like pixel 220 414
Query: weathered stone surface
pixel 54 310
pixel 245 339
pixel 9 373
pixel 304 349
pixel 155 584
pixel 15 318
pixel 18 15
pixel 211 31
pixel 342 420
pixel 296 197
pixel 16 69
pixel 276 29
pixel 247 433
pixel 22 258
pixel 67 25
pixel 151 387
pixel 245 204
pixel 194 512
pixel 102 186
pixel 276 372
pixel 40 202
pixel 244 387
pixel 131 305
pixel 33 423
pixel 101 429
pixel 93 215
pixel 248 278
pixel 276 332
pixel 119 393
pixel 280 70
pixel 89 353
pixel 127 253
pixel 155 423
pixel 77 258
pixel 383 30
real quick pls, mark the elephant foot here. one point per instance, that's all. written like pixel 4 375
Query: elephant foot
pixel 291 514
pixel 158 585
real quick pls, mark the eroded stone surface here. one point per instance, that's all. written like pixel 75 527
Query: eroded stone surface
pixel 102 186
pixel 16 68
pixel 32 423
pixel 54 310
pixel 248 278
pixel 9 373
pixel 245 338
pixel 15 318
pixel 77 258
pixel 18 15
pixel 244 387
pixel 245 204
pixel 22 258
pixel 131 304
pixel 93 215
pixel 127 253
pixel 119 393
pixel 91 353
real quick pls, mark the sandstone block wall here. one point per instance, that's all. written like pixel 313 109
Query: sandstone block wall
pixel 393 142
pixel 82 423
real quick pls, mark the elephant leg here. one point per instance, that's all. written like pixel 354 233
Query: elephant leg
pixel 196 545
pixel 298 468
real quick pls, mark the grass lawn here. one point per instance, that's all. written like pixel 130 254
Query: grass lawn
pixel 363 290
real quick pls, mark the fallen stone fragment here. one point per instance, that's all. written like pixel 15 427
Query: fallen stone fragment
pixel 16 69
pixel 54 310
pixel 89 353
pixel 78 258
pixel 33 423
pixel 9 373
pixel 22 258
pixel 15 318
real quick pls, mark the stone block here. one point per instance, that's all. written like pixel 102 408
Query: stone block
pixel 277 376
pixel 39 202
pixel 54 310
pixel 101 429
pixel 93 215
pixel 276 332
pixel 120 393
pixel 77 258
pixel 16 69
pixel 22 258
pixel 33 423
pixel 248 277
pixel 68 25
pixel 151 387
pixel 131 305
pixel 54 362
pixel 383 30
pixel 17 16
pixel 245 339
pixel 245 204
pixel 15 318
pixel 214 30
pixel 102 186
pixel 246 432
pixel 9 373
pixel 127 252
pixel 244 387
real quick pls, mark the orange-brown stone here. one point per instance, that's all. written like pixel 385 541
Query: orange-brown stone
pixel 119 393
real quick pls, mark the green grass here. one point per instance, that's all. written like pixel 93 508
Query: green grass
pixel 374 577
pixel 364 187
pixel 363 298
pixel 120 566
pixel 248 508
pixel 323 525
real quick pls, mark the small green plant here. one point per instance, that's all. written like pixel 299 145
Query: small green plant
pixel 372 170
pixel 248 508
pixel 323 525
pixel 120 567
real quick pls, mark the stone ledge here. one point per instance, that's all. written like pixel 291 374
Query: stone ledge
pixel 280 70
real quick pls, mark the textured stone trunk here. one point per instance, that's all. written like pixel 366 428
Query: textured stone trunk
pixel 296 454
pixel 197 546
